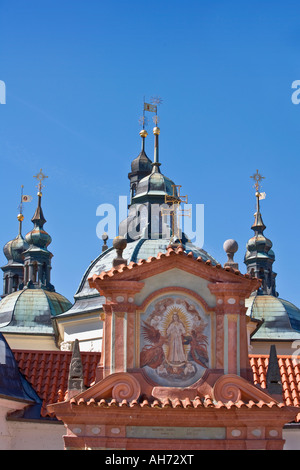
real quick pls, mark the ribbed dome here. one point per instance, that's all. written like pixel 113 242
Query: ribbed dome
pixel 31 311
pixel 281 319
pixel 38 237
pixel 259 245
pixel 13 250
pixel 141 163
pixel 155 184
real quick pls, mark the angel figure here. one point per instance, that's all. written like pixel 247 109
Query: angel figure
pixel 152 355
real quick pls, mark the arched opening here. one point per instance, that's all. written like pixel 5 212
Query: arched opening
pixel 44 273
pixel 26 275
pixel 15 283
pixel 34 271
pixel 5 285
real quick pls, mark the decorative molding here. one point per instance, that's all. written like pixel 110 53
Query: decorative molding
pixel 119 386
pixel 233 388
pixel 176 290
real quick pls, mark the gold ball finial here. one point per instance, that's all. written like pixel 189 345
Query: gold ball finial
pixel 143 133
pixel 156 130
pixel 20 217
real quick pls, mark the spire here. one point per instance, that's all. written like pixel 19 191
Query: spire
pixel 156 100
pixel 156 164
pixel 258 225
pixel 144 219
pixel 259 256
pixel 13 272
pixel 38 236
pixel 141 165
pixel 38 217
pixel 37 259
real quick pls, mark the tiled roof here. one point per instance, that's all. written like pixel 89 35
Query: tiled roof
pixel 179 251
pixel 47 371
pixel 290 376
pixel 205 402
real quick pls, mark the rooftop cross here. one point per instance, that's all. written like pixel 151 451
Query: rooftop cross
pixel 257 178
pixel 40 177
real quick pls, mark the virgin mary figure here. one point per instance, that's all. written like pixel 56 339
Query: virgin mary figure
pixel 176 354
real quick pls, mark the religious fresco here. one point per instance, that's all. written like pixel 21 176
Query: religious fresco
pixel 174 341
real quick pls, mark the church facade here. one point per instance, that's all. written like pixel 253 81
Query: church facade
pixel 162 342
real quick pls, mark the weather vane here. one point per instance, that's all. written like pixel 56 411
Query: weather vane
pixel 257 178
pixel 156 100
pixel 40 177
pixel 152 108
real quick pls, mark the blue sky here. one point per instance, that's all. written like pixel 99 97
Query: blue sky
pixel 76 73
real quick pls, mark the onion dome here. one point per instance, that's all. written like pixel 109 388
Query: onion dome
pixel 155 185
pixel 14 249
pixel 141 163
pixel 259 256
pixel 37 259
pixel 38 236
pixel 141 166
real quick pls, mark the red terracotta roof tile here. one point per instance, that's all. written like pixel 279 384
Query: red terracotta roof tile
pixel 47 371
pixel 175 403
pixel 171 251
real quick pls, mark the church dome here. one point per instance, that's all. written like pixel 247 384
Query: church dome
pixel 14 249
pixel 259 246
pixel 88 299
pixel 141 163
pixel 38 237
pixel 280 318
pixel 155 184
pixel 31 311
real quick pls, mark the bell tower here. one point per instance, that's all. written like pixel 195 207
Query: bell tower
pixel 259 257
pixel 37 258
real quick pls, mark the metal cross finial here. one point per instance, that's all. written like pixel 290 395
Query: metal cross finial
pixel 40 177
pixel 257 178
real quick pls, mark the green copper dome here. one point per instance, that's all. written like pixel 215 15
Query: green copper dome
pixel 280 318
pixel 31 311
pixel 14 249
pixel 155 184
